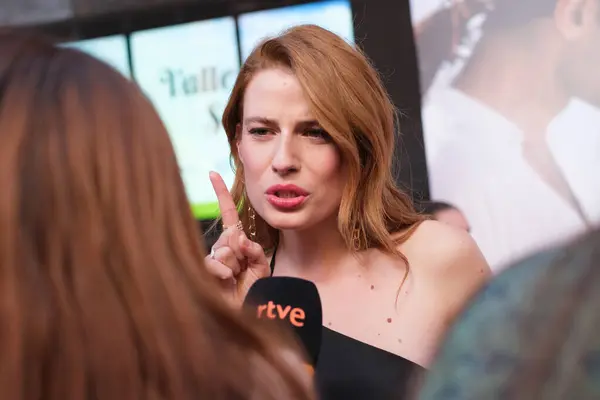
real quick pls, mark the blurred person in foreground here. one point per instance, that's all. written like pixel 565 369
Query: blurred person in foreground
pixel 103 290
pixel 511 121
pixel 532 333
pixel 312 132
pixel 446 213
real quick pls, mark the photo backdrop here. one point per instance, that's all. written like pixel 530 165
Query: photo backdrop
pixel 510 95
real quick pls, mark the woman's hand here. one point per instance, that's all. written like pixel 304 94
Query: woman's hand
pixel 236 260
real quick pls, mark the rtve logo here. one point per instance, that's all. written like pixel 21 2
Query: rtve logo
pixel 295 315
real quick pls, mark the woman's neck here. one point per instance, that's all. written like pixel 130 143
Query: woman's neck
pixel 306 252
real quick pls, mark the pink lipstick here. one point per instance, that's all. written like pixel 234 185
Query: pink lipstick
pixel 286 197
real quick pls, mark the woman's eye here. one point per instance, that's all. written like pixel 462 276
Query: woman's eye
pixel 258 131
pixel 317 133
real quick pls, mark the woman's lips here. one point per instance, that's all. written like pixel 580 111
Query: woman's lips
pixel 287 189
pixel 286 203
pixel 286 197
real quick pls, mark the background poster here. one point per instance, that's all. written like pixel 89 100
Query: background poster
pixel 510 92
pixel 335 16
pixel 188 71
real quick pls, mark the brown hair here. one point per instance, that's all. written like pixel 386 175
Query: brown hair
pixel 103 291
pixel 350 102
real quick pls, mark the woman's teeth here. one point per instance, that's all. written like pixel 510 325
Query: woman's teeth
pixel 286 195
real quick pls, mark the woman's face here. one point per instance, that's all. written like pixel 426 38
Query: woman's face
pixel 292 170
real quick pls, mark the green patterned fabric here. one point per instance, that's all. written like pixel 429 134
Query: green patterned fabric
pixel 532 333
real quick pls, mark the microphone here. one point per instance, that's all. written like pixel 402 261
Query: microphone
pixel 294 302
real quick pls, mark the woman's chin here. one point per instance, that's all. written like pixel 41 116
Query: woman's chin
pixel 287 221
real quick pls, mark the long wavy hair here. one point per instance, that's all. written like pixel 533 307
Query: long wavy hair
pixel 348 99
pixel 103 291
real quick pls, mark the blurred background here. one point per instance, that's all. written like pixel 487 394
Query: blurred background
pixel 185 54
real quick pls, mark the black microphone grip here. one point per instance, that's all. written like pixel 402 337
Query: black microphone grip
pixel 295 303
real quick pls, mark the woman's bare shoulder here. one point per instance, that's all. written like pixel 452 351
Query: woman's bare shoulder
pixel 448 262
pixel 441 248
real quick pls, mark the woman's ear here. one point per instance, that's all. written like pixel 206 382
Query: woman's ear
pixel 238 141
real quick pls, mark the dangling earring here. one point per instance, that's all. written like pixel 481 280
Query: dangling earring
pixel 252 222
pixel 356 242
pixel 251 216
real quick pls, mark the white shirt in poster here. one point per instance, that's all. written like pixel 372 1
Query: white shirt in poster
pixel 475 161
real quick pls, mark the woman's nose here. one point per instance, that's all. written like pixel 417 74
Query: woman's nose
pixel 285 160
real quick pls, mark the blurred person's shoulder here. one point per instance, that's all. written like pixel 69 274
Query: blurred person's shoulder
pixel 516 285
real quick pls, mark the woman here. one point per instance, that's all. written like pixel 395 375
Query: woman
pixel 531 334
pixel 103 291
pixel 311 131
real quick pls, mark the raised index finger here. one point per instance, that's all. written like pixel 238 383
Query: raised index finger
pixel 229 213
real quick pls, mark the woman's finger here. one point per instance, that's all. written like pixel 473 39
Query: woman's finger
pixel 226 256
pixel 252 251
pixel 217 269
pixel 233 242
pixel 229 212
pixel 224 238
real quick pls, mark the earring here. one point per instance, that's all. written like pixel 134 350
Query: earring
pixel 356 242
pixel 252 222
